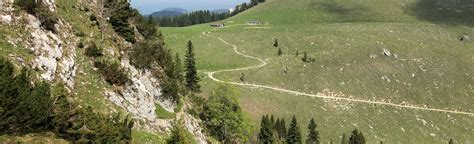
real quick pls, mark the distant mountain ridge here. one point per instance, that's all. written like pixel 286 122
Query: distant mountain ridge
pixel 180 10
pixel 169 12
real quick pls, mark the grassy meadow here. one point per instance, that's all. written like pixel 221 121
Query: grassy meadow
pixel 428 65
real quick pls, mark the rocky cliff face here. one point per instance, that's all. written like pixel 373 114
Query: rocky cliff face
pixel 54 52
pixel 140 96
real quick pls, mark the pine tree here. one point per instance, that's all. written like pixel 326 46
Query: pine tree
pixel 280 52
pixel 276 125
pixel 179 72
pixel 253 2
pixel 344 139
pixel 266 133
pixel 122 12
pixel 294 133
pixel 192 78
pixel 451 141
pixel 275 43
pixel 282 128
pixel 313 134
pixel 272 120
pixel 305 57
pixel 357 138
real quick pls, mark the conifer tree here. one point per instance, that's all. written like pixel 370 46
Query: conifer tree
pixel 313 134
pixel 276 125
pixel 305 57
pixel 272 120
pixel 253 2
pixel 282 128
pixel 179 72
pixel 192 78
pixel 280 52
pixel 266 133
pixel 275 43
pixel 294 133
pixel 451 141
pixel 357 138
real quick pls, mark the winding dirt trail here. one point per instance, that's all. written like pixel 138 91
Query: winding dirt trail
pixel 319 95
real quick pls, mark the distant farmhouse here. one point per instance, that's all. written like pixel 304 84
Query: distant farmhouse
pixel 254 22
pixel 218 25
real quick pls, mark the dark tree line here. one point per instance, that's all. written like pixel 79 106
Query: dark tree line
pixel 272 131
pixel 275 132
pixel 203 16
pixel 192 18
pixel 244 6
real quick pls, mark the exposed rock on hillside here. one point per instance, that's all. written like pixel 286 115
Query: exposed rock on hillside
pixel 52 58
pixel 386 52
pixel 54 52
pixel 464 38
pixel 139 97
pixel 192 125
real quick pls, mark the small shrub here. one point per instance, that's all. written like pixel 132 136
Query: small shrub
pixel 80 45
pixel 145 55
pixel 92 17
pixel 27 5
pixel 307 59
pixel 93 51
pixel 112 72
pixel 47 18
pixel 80 33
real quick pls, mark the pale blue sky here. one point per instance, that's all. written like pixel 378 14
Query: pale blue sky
pixel 148 6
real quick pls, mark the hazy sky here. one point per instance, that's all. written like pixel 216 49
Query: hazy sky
pixel 148 6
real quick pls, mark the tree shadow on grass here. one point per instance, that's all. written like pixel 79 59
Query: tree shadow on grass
pixel 346 12
pixel 447 12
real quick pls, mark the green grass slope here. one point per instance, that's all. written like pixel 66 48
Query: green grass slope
pixel 429 66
